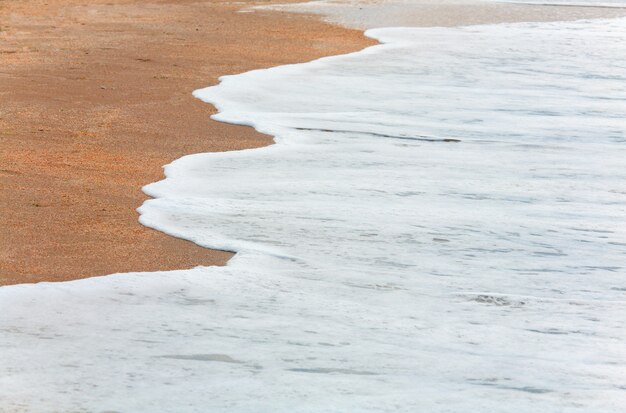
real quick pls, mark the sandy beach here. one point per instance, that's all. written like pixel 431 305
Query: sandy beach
pixel 97 98
pixel 433 229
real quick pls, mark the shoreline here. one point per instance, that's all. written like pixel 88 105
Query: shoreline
pixel 133 69
pixel 364 262
pixel 105 89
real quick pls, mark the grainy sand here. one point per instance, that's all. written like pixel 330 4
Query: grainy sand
pixel 96 97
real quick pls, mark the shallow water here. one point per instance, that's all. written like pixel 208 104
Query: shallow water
pixel 372 14
pixel 594 3
pixel 439 228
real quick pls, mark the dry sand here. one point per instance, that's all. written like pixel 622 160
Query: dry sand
pixel 96 97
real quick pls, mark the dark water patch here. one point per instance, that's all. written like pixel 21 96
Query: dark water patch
pixel 377 287
pixel 323 370
pixel 197 301
pixel 549 331
pixel 596 231
pixel 602 268
pixel 409 193
pixel 495 300
pixel 421 138
pixel 299 344
pixel 223 358
pixel 527 389
pixel 495 383
pixel 138 340
pixel 534 271
pixel 548 254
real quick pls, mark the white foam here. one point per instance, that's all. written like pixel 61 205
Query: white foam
pixel 380 268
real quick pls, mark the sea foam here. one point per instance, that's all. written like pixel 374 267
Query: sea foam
pixel 439 227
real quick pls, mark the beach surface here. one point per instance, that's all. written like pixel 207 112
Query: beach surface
pixel 423 236
pixel 97 98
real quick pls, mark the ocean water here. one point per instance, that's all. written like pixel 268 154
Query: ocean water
pixel 373 14
pixel 593 3
pixel 439 228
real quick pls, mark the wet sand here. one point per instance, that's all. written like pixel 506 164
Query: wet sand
pixel 444 13
pixel 96 98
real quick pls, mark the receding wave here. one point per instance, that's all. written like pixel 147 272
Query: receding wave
pixel 438 228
